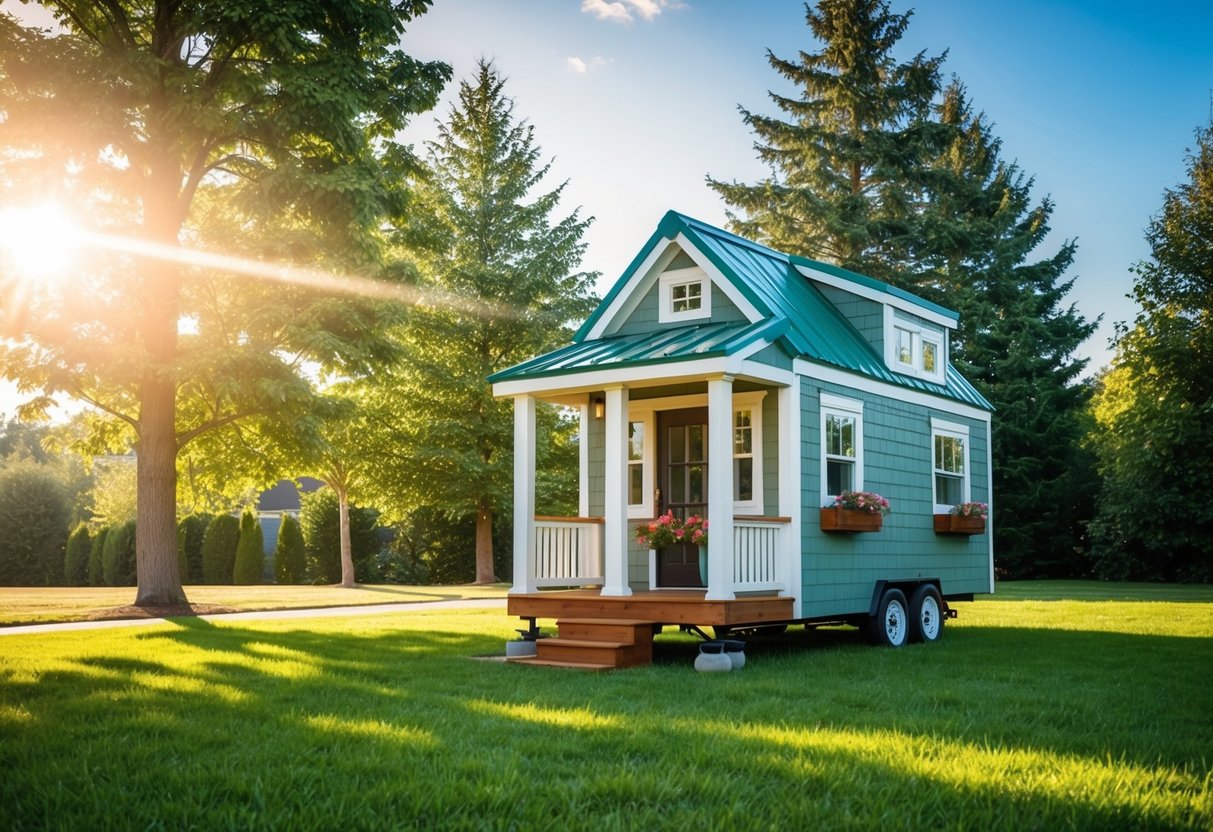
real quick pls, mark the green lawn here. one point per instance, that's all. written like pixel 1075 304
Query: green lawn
pixel 34 605
pixel 1030 714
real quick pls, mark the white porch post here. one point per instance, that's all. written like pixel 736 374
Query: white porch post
pixel 720 489
pixel 790 498
pixel 615 516
pixel 583 462
pixel 524 494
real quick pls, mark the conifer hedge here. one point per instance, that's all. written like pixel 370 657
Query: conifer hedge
pixel 250 551
pixel 290 560
pixel 219 549
pixel 75 561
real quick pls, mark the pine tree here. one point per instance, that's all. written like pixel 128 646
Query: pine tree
pixel 75 565
pixel 883 170
pixel 486 237
pixel 96 558
pixel 846 169
pixel 1154 409
pixel 250 551
pixel 219 549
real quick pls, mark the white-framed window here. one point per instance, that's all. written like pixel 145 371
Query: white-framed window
pixel 747 451
pixel 914 349
pixel 684 295
pixel 949 465
pixel 841 446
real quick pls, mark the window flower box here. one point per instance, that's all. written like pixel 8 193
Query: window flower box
pixel 845 521
pixel 956 524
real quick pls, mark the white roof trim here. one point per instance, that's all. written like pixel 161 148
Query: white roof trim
pixel 661 373
pixel 876 295
pixel 646 274
pixel 868 384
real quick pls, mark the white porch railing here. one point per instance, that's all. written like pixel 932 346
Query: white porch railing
pixel 757 542
pixel 568 551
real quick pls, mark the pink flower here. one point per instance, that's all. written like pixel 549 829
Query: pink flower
pixel 678 534
pixel 652 527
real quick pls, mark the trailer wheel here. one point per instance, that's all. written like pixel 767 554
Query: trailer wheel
pixel 891 625
pixel 926 614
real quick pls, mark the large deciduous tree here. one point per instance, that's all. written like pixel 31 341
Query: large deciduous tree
pixel 262 129
pixel 487 236
pixel 881 168
pixel 1154 407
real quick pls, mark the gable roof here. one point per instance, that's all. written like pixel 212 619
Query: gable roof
pixel 776 286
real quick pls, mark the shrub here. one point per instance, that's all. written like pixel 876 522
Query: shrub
pixel 437 548
pixel 96 556
pixel 75 562
pixel 34 517
pixel 219 549
pixel 321 522
pixel 290 558
pixel 190 533
pixel 118 556
pixel 250 551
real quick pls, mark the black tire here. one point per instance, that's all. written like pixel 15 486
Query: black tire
pixel 926 614
pixel 891 625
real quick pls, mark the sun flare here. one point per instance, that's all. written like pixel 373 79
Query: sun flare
pixel 38 241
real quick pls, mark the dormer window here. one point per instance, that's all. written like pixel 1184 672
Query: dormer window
pixel 686 295
pixel 914 348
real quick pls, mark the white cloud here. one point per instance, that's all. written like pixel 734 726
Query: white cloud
pixel 626 11
pixel 581 67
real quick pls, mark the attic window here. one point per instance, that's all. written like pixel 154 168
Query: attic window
pixel 686 295
pixel 914 349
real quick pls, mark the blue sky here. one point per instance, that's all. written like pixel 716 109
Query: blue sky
pixel 636 101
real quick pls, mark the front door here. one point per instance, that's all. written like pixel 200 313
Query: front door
pixel 682 465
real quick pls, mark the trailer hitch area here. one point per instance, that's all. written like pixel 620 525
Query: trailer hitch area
pixel 531 633
pixel 948 612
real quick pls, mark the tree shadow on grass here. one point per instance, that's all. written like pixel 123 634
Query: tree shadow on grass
pixel 203 725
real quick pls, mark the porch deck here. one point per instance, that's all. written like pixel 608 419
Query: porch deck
pixel 659 607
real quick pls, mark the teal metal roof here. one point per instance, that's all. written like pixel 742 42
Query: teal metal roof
pixel 798 313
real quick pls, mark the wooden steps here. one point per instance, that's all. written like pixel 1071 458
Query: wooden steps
pixel 595 644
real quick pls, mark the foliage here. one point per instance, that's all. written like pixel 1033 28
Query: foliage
pixel 269 136
pixel 290 556
pixel 96 557
pixel 22 440
pixel 250 551
pixel 882 169
pixel 432 546
pixel 971 510
pixel 114 497
pixel 396 692
pixel 191 532
pixel 320 520
pixel 1154 408
pixel 668 530
pixel 75 562
pixel 118 555
pixel 503 270
pixel 34 524
pixel 868 501
pixel 219 544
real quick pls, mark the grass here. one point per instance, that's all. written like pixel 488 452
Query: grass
pixel 1029 714
pixel 34 605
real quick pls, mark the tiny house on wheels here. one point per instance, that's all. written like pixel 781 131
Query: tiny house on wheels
pixel 721 379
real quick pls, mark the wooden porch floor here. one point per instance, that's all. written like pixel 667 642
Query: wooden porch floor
pixel 659 607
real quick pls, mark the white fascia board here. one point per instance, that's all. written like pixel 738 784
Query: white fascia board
pixel 877 295
pixel 676 371
pixel 882 388
pixel 637 284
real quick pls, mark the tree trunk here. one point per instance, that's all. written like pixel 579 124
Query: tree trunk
pixel 484 543
pixel 347 551
pixel 159 577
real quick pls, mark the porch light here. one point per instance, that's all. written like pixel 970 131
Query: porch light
pixel 599 408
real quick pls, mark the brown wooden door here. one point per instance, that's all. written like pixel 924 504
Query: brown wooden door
pixel 682 467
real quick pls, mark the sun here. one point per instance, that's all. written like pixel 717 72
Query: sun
pixel 38 242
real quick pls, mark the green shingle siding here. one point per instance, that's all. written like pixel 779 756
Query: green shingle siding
pixel 867 316
pixel 840 571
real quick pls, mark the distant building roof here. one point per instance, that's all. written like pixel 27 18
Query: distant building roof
pixel 284 496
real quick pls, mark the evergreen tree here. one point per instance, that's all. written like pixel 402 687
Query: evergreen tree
pixel 290 558
pixel 118 556
pixel 34 524
pixel 488 238
pixel 320 519
pixel 191 531
pixel 883 170
pixel 846 165
pixel 250 551
pixel 219 549
pixel 96 558
pixel 1154 408
pixel 75 565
